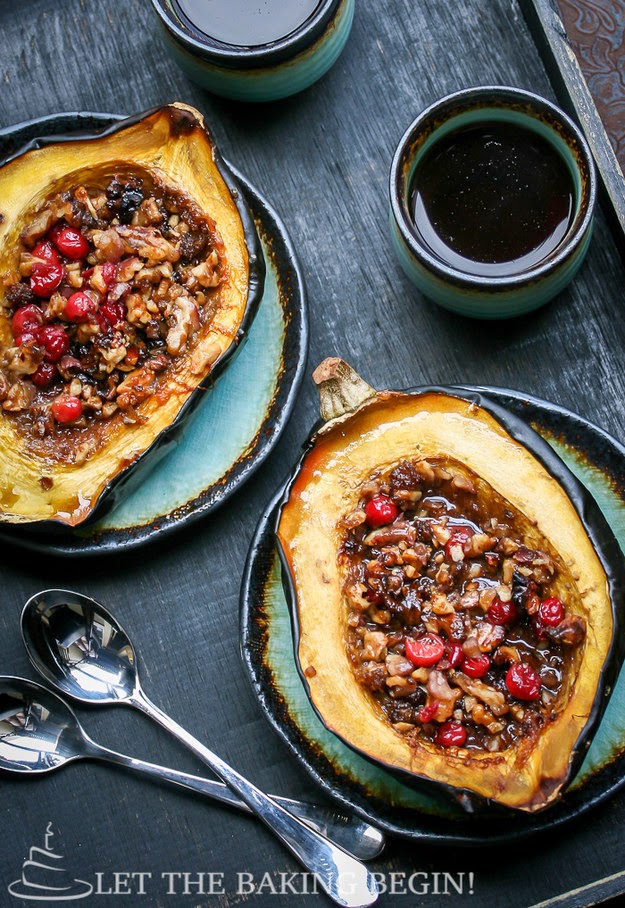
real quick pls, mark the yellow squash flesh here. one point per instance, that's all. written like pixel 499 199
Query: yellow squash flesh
pixel 385 429
pixel 173 146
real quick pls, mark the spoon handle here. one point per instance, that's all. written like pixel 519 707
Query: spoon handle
pixel 345 880
pixel 352 834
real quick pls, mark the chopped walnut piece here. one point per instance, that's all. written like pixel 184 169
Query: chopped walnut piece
pixel 440 533
pixel 425 471
pixel 440 604
pixel 504 592
pixel 354 519
pixel 445 696
pixel 19 397
pixel 471 647
pixel 400 685
pixel 487 597
pixel 463 483
pixel 489 636
pixel 570 630
pixel 184 320
pixel 478 544
pixel 397 532
pixel 23 360
pixel 482 716
pixel 206 274
pixel 398 665
pixel 148 243
pixel 108 245
pixel 488 695
pixel 374 646
pixel 470 599
pixel 507 654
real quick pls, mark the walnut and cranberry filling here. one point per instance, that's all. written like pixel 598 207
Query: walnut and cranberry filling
pixel 453 622
pixel 109 281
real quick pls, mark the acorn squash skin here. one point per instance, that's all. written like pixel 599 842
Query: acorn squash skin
pixel 523 468
pixel 173 145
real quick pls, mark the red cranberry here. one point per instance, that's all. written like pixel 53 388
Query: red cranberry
pixel 427 712
pixel 426 650
pixel 28 337
pixel 550 612
pixel 44 375
pixel 380 510
pixel 79 307
pixel 66 408
pixel 103 322
pixel 373 596
pixel 477 666
pixel 109 273
pixel 46 278
pixel 55 341
pixel 523 682
pixel 451 734
pixel 69 241
pixel 26 320
pixel 46 251
pixel 454 655
pixel 502 612
pixel 114 313
pixel 460 536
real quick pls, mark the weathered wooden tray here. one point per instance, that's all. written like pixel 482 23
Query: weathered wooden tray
pixel 582 45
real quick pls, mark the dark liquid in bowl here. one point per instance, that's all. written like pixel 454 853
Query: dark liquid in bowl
pixel 492 200
pixel 247 23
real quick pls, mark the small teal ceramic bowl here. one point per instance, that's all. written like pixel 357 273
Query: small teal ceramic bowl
pixel 492 195
pixel 251 71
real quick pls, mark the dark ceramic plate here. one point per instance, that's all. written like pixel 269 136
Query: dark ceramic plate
pixel 238 424
pixel 598 461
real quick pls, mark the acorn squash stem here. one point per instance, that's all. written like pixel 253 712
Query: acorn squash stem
pixel 341 389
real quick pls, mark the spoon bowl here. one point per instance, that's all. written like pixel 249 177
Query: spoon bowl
pixel 38 732
pixel 79 648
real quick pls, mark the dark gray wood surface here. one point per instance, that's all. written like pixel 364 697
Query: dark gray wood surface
pixel 322 158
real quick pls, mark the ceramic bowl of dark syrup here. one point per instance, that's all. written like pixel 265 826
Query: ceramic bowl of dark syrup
pixel 492 193
pixel 255 51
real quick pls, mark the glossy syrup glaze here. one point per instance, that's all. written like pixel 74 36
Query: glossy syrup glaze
pixel 492 200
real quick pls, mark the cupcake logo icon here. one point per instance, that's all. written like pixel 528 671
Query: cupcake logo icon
pixel 44 879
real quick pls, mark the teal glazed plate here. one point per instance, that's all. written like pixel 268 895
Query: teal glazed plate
pixel 233 430
pixel 598 461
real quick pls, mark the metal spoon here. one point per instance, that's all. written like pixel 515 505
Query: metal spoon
pixel 39 732
pixel 77 645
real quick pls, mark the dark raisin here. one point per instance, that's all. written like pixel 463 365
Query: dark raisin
pixel 123 198
pixel 522 588
pixel 20 295
pixel 129 202
pixel 192 244
pixel 404 477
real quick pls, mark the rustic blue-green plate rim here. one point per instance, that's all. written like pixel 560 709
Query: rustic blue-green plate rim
pixel 598 461
pixel 246 410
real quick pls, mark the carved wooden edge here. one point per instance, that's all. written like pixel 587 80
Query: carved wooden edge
pixel 544 19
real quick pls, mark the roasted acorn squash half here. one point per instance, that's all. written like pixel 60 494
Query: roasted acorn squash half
pixel 368 434
pixel 156 175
